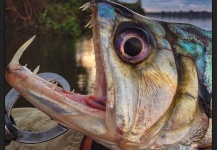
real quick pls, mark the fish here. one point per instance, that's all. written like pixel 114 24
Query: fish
pixel 153 84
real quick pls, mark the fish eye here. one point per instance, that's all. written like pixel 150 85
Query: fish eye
pixel 132 45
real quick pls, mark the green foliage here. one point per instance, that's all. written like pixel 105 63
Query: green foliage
pixel 45 19
pixel 62 16
pixel 53 16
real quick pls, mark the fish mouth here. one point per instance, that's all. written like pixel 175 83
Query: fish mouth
pixel 65 107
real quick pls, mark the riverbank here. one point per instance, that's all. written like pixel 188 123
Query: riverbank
pixel 59 17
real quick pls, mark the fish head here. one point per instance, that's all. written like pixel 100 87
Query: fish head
pixel 135 85
pixel 139 69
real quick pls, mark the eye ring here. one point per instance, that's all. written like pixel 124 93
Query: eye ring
pixel 132 44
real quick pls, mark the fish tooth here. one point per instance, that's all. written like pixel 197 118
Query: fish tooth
pixel 88 24
pixel 25 65
pixel 54 86
pixel 34 72
pixel 18 54
pixel 85 6
pixel 54 80
pixel 93 23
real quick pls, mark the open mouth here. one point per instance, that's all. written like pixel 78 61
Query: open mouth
pixel 96 100
pixel 89 114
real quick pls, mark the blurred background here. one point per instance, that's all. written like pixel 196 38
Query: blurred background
pixel 64 46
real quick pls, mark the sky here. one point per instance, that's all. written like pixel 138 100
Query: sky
pixel 174 5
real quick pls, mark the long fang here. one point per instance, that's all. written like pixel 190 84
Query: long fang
pixel 18 54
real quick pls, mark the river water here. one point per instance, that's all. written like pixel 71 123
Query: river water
pixel 72 59
pixel 205 23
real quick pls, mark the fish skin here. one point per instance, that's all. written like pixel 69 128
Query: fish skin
pixel 148 101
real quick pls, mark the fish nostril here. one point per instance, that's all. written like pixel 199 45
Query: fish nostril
pixel 127 15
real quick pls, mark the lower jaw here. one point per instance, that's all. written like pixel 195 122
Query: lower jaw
pixel 24 80
pixel 68 112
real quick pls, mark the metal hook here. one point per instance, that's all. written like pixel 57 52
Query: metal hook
pixel 12 132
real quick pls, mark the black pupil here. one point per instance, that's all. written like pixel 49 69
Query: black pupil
pixel 133 46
